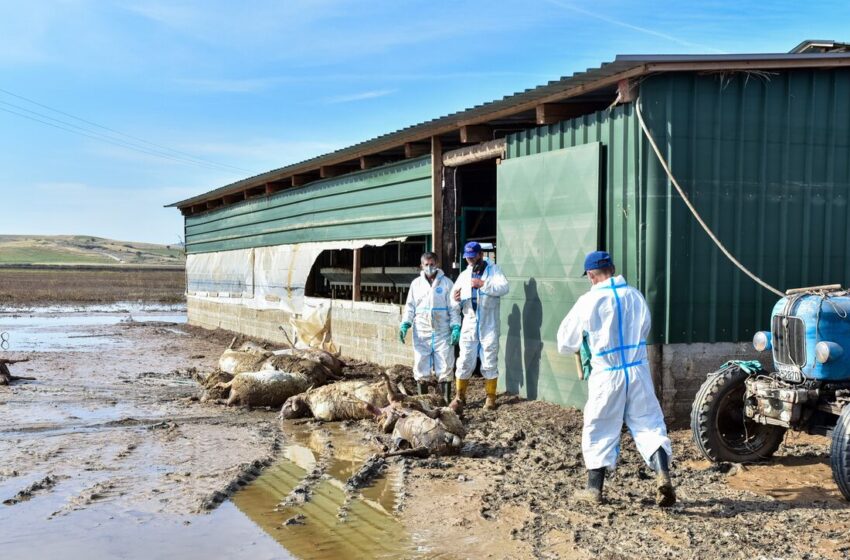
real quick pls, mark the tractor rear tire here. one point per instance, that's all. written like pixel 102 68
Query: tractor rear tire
pixel 839 455
pixel 721 430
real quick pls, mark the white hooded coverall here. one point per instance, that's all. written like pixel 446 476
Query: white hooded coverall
pixel 432 313
pixel 479 335
pixel 616 319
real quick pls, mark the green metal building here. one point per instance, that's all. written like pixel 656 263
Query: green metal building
pixel 761 143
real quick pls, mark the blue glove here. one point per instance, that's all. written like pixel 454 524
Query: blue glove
pixel 402 331
pixel 455 334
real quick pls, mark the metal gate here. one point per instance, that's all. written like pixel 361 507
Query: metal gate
pixel 548 219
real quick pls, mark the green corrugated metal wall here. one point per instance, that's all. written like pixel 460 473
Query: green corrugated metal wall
pixel 765 159
pixel 393 200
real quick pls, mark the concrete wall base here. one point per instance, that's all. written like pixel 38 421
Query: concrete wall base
pixel 361 330
pixel 680 370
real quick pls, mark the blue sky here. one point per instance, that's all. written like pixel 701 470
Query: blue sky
pixel 250 86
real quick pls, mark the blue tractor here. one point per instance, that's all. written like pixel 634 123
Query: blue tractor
pixel 742 411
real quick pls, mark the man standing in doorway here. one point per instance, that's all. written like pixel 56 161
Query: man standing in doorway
pixel 436 326
pixel 477 291
pixel 615 319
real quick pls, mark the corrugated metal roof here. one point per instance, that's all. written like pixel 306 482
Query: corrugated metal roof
pixel 565 87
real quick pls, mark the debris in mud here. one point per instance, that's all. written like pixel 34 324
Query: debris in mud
pixel 6 377
pixel 295 520
pixel 45 483
pixel 373 467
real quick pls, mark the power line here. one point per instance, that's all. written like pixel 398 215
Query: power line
pixel 98 136
pixel 106 140
pixel 185 157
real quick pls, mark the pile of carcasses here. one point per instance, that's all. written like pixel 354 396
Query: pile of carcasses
pixel 309 383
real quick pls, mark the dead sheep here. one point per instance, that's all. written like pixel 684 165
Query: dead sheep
pixel 279 378
pixel 345 400
pixel 265 388
pixel 441 435
pixel 331 361
pixel 212 391
pixel 249 357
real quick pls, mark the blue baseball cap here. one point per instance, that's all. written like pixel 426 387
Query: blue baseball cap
pixel 471 249
pixel 597 260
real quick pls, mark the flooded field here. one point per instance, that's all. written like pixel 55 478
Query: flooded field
pixel 109 453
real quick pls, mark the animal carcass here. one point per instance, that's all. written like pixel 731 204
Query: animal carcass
pixel 279 378
pixel 345 400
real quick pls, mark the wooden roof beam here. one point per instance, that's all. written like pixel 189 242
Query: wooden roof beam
pixel 475 133
pixel 415 149
pixel 550 113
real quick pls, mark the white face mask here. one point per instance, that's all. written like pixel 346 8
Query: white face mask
pixel 429 270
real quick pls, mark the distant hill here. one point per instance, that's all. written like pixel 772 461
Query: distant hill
pixel 85 250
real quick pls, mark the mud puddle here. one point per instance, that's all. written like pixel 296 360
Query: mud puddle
pixel 75 331
pixel 301 500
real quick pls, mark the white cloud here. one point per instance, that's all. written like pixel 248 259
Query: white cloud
pixel 373 94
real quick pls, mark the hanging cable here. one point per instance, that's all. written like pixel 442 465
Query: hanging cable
pixel 118 132
pixel 137 144
pixel 693 210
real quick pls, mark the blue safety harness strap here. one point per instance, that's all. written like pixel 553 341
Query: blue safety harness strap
pixel 619 348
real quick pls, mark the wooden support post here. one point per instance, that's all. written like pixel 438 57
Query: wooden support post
pixel 355 279
pixel 627 90
pixel 412 150
pixel 474 133
pixel 327 171
pixel 437 198
pixel 276 186
pixel 367 162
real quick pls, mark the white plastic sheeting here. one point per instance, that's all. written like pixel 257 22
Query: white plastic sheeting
pixel 263 277
pixel 224 274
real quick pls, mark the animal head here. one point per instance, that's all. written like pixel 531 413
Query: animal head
pixel 294 407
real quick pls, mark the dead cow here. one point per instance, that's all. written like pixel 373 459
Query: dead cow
pixel 346 400
pixel 280 378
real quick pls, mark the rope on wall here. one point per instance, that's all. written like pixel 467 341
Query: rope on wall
pixel 693 210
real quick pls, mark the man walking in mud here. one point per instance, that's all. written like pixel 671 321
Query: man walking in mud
pixel 478 291
pixel 615 320
pixel 436 326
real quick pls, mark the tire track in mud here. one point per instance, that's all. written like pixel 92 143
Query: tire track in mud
pixel 44 485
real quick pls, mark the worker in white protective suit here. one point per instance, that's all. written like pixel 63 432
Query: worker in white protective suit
pixel 614 320
pixel 478 291
pixel 436 326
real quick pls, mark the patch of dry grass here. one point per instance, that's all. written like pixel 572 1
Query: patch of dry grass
pixel 27 286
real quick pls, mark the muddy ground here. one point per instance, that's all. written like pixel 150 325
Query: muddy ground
pixel 119 431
